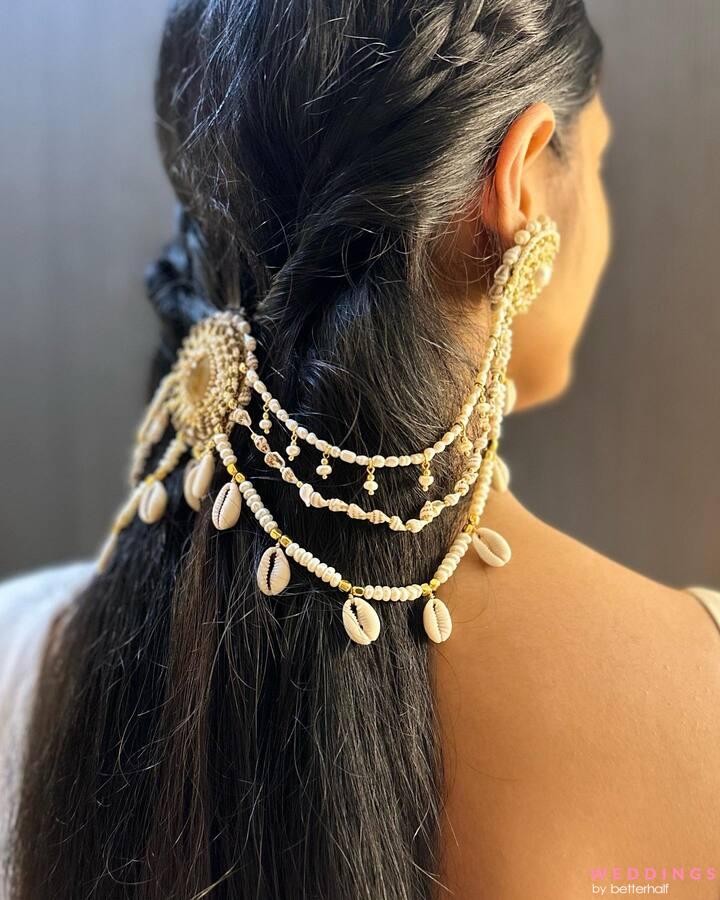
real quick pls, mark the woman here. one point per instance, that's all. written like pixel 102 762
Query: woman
pixel 218 712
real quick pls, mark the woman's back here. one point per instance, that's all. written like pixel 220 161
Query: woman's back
pixel 579 704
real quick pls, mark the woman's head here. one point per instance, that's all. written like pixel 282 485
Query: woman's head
pixel 315 147
pixel 191 736
pixel 570 189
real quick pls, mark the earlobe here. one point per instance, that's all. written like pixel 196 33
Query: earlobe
pixel 510 201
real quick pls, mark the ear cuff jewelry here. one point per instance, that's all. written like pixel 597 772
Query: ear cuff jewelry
pixel 208 391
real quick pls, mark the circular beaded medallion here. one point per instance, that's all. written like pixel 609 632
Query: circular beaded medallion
pixel 207 377
pixel 535 254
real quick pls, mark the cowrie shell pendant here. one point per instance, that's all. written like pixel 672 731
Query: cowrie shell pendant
pixel 437 621
pixel 227 507
pixel 192 501
pixel 202 476
pixel 153 503
pixel 273 574
pixel 361 622
pixel 501 476
pixel 492 548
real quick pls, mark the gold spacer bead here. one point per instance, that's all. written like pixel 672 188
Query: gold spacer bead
pixel 345 586
pixel 232 469
pixel 149 479
pixel 469 528
pixel 473 520
pixel 239 477
pixel 276 534
pixel 426 589
pixel 434 584
pixel 357 591
pixel 285 540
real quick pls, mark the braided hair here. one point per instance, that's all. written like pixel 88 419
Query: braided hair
pixel 192 739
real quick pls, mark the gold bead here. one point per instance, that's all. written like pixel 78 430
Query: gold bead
pixel 473 520
pixel 434 584
pixel 285 540
pixel 345 586
pixel 469 528
pixel 426 589
pixel 149 479
pixel 276 534
pixel 239 477
pixel 357 591
pixel 232 469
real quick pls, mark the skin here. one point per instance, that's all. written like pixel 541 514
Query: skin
pixel 578 731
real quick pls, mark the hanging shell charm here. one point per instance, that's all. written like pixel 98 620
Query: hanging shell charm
pixel 361 622
pixel 491 547
pixel 501 476
pixel 227 507
pixel 510 396
pixel 153 503
pixel 202 476
pixel 273 574
pixel 437 621
pixel 190 498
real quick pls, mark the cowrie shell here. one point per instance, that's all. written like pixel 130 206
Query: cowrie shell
pixel 190 498
pixel 510 396
pixel 202 476
pixel 437 621
pixel 492 548
pixel 227 507
pixel 501 476
pixel 273 574
pixel 129 510
pixel 153 503
pixel 361 622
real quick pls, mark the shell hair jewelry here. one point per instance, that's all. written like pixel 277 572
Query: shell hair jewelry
pixel 209 390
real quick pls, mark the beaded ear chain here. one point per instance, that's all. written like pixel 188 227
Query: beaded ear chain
pixel 208 391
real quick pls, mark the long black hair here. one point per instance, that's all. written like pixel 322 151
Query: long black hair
pixel 193 737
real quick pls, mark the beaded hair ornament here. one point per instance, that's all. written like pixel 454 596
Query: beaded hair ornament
pixel 208 391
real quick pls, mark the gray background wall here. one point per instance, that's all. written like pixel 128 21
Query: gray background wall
pixel 628 461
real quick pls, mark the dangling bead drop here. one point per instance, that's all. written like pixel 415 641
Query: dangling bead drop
pixel 370 484
pixel 426 479
pixel 265 423
pixel 292 449
pixel 324 469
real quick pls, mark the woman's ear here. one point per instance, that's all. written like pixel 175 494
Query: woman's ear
pixel 512 195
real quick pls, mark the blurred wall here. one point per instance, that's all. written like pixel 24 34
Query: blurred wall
pixel 628 461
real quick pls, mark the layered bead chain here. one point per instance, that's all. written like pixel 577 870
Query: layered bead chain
pixel 207 394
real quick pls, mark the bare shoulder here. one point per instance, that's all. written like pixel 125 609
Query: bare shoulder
pixel 580 708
